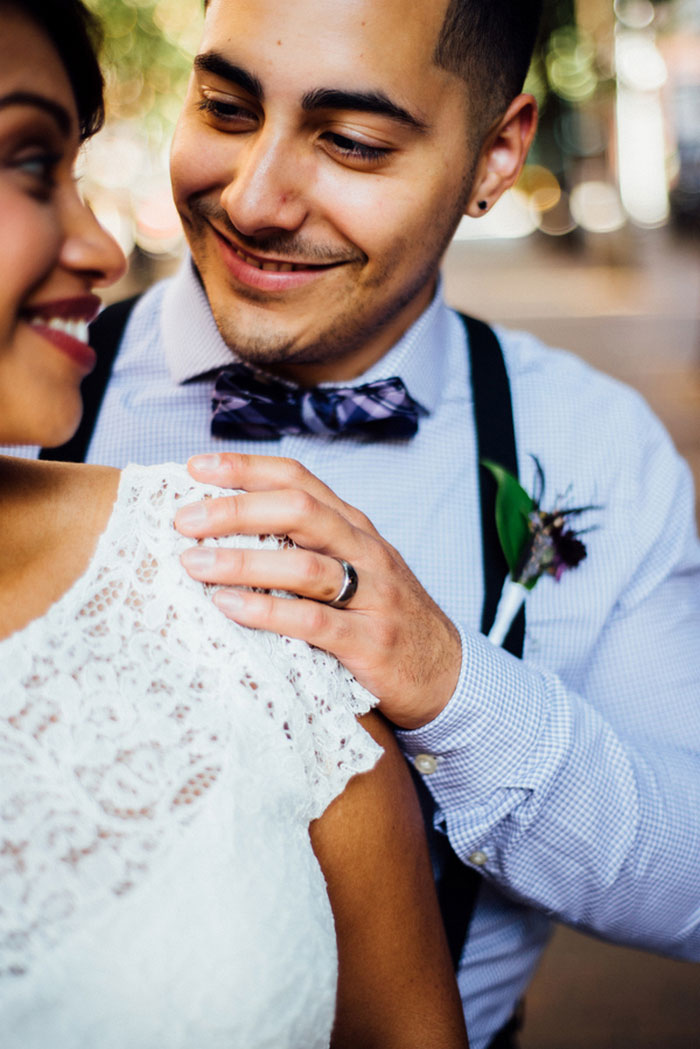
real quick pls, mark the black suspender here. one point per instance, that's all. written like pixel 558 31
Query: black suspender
pixel 105 336
pixel 458 884
pixel 493 416
pixel 495 435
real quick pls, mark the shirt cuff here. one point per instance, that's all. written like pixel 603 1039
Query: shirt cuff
pixel 484 741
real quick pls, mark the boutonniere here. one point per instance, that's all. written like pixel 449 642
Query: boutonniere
pixel 535 542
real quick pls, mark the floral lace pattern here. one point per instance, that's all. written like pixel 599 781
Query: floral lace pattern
pixel 131 711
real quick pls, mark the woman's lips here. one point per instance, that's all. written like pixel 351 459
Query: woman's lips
pixel 267 274
pixel 75 348
pixel 64 323
pixel 76 308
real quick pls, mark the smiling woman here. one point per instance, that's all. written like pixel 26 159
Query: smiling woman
pixel 190 856
pixel 53 249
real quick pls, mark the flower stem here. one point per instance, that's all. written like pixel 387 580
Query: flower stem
pixel 510 601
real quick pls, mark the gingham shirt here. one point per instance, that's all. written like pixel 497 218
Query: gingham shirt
pixel 572 778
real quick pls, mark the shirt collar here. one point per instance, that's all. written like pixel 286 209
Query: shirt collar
pixel 193 345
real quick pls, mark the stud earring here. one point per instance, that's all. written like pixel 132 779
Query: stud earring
pixel 482 205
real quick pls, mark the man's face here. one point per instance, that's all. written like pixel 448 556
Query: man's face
pixel 320 166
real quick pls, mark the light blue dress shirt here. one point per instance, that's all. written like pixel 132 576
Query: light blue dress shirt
pixel 572 778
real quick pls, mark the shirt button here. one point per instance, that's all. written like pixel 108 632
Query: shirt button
pixel 425 763
pixel 478 858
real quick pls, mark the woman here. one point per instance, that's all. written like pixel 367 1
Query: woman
pixel 169 782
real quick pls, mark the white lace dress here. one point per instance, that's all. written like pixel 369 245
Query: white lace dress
pixel 159 767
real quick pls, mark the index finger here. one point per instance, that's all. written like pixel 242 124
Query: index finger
pixel 258 473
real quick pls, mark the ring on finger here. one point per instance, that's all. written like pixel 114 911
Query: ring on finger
pixel 348 588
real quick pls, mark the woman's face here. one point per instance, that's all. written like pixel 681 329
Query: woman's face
pixel 52 250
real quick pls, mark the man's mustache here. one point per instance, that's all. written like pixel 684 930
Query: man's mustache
pixel 287 245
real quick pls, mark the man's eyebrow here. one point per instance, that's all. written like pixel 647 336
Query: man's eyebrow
pixel 363 102
pixel 214 62
pixel 29 98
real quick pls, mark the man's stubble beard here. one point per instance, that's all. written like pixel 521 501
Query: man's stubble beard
pixel 348 329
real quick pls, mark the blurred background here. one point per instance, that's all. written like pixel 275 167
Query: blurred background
pixel 596 250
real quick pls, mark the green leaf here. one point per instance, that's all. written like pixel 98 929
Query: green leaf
pixel 513 505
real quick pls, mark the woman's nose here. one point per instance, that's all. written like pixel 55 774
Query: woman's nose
pixel 88 248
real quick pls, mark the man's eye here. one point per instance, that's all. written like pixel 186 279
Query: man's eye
pixel 350 149
pixel 225 112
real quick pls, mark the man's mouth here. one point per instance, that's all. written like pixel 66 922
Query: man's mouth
pixel 269 265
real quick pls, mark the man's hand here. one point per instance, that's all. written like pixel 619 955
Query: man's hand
pixel 391 636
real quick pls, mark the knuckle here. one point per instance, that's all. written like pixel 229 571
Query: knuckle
pixel 316 616
pixel 359 520
pixel 301 504
pixel 264 605
pixel 231 463
pixel 292 471
pixel 224 511
pixel 236 561
pixel 343 631
pixel 310 568
pixel 385 564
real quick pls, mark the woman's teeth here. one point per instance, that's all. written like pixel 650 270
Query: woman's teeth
pixel 77 329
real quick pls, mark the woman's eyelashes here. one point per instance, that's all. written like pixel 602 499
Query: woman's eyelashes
pixel 37 167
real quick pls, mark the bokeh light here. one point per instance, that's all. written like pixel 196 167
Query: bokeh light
pixel 613 136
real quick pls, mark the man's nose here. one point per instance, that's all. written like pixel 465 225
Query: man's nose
pixel 267 189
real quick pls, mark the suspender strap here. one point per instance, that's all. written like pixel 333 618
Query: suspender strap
pixel 495 436
pixel 458 884
pixel 105 336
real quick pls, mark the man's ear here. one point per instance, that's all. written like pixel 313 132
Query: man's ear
pixel 502 155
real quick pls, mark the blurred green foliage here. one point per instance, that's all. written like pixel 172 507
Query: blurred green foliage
pixel 149 46
pixel 147 56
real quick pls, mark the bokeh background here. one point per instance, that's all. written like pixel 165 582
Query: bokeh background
pixel 596 250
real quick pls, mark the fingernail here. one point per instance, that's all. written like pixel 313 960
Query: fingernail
pixel 229 601
pixel 199 559
pixel 205 462
pixel 194 516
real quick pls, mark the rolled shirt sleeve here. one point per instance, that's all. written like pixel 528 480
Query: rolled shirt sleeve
pixel 579 792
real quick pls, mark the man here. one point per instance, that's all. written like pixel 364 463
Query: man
pixel 324 156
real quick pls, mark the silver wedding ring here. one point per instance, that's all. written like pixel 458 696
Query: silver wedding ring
pixel 348 587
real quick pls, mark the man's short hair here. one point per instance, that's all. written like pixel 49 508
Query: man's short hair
pixel 489 43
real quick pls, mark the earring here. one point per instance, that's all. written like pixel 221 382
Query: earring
pixel 482 205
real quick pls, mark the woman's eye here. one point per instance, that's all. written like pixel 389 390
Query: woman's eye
pixel 40 167
pixel 351 149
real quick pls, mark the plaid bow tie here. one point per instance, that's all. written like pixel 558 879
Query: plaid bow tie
pixel 247 404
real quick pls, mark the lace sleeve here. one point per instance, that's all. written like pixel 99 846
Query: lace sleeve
pixel 310 697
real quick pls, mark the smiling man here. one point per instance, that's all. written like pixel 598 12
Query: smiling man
pixel 318 207
pixel 325 153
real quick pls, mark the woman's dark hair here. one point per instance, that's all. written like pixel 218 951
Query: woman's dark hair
pixel 75 33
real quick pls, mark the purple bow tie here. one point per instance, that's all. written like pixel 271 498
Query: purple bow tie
pixel 248 404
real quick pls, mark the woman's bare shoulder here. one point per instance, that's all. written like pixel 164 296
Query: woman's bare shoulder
pixel 51 516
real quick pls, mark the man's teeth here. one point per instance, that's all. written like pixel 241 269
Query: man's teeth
pixel 276 267
pixel 78 329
